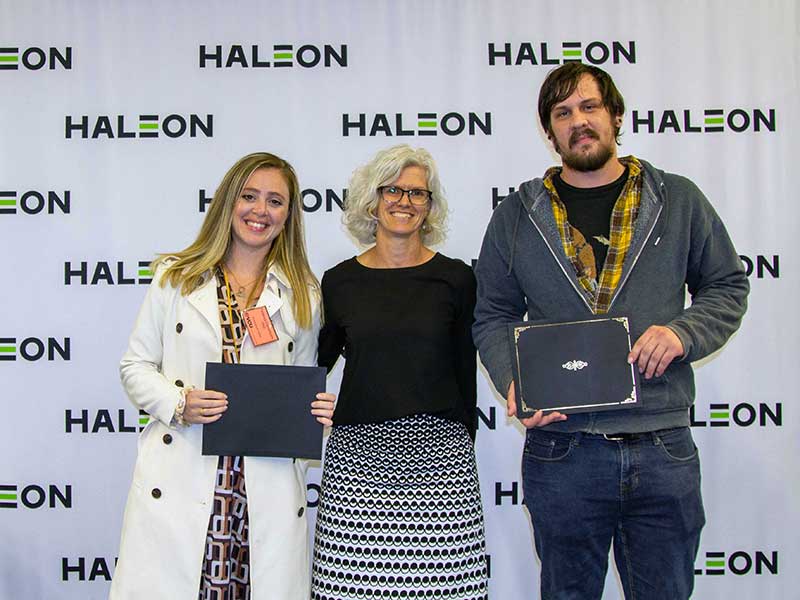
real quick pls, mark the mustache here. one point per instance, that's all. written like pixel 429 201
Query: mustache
pixel 586 131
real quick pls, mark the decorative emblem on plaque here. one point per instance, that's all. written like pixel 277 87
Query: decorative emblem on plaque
pixel 574 365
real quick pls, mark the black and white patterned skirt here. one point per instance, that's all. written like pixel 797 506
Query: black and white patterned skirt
pixel 400 513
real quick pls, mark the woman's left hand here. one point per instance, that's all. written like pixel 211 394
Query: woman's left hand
pixel 322 408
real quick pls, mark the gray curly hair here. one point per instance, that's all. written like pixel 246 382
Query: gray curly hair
pixel 363 195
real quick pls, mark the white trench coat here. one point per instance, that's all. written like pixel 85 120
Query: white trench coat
pixel 169 503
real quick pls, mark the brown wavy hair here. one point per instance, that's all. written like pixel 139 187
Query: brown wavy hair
pixel 562 81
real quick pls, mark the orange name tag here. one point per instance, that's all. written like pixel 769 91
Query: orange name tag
pixel 259 325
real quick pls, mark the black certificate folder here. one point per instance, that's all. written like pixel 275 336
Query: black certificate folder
pixel 579 366
pixel 269 411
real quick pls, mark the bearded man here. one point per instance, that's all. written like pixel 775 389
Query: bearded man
pixel 609 235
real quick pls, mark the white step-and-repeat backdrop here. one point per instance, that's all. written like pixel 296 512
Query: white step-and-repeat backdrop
pixel 118 119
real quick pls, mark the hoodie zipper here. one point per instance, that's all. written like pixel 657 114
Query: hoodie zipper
pixel 563 270
pixel 638 254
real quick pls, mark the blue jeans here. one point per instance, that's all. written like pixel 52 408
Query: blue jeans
pixel 584 491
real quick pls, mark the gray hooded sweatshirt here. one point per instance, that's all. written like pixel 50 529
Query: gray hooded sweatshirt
pixel 679 243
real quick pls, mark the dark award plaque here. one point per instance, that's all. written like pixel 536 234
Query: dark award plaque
pixel 577 366
pixel 269 411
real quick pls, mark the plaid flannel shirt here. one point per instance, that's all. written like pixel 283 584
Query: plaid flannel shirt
pixel 623 217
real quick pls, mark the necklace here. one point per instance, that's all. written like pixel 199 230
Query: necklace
pixel 241 288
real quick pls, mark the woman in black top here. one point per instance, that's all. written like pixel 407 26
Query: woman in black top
pixel 399 507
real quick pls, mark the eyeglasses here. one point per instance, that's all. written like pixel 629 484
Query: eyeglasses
pixel 393 194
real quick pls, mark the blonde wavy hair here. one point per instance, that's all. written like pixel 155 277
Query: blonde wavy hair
pixel 363 195
pixel 189 268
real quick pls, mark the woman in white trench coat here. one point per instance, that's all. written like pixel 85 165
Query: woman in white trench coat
pixel 250 251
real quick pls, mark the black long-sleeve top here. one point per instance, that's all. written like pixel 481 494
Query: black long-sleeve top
pixel 406 337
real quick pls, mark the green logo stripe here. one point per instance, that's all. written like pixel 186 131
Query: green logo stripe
pixel 145 273
pixel 279 55
pixel 721 415
pixel 9 59
pixel 572 52
pixel 714 121
pixel 427 124
pixel 8 496
pixel 8 202
pixel 8 348
pixel 715 563
pixel 148 125
pixel 144 420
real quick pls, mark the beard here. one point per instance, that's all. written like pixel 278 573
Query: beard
pixel 585 161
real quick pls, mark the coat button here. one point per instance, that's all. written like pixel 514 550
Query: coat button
pixel 167 439
pixel 291 346
pixel 156 493
pixel 179 383
pixel 301 511
pixel 179 327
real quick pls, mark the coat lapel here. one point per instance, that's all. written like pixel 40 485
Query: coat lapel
pixel 204 299
pixel 272 297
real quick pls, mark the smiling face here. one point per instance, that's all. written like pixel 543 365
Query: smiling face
pixel 260 212
pixel 582 130
pixel 403 218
